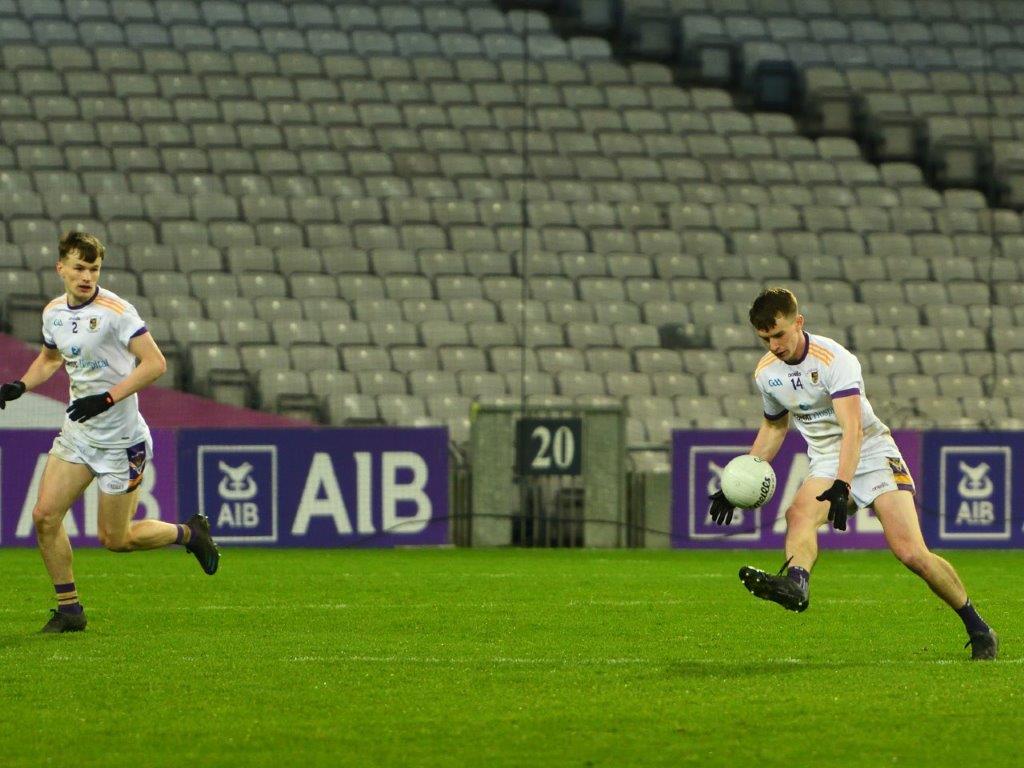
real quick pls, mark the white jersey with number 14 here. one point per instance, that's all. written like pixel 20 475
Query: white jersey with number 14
pixel 806 389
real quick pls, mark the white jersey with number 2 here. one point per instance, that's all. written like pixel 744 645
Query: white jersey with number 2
pixel 93 339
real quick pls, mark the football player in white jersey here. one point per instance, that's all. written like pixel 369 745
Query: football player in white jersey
pixel 109 355
pixel 854 463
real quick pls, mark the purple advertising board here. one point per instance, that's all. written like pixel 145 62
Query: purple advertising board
pixel 23 456
pixel 368 487
pixel 698 458
pixel 973 488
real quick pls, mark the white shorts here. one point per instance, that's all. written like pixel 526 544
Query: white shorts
pixel 875 475
pixel 118 470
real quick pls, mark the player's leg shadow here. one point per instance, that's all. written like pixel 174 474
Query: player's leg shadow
pixel 718 668
pixel 10 641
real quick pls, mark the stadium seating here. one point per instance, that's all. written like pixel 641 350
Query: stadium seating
pixel 938 83
pixel 325 207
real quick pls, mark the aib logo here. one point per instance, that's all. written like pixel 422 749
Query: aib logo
pixel 976 492
pixel 236 485
pixel 238 491
pixel 706 465
pixel 975 489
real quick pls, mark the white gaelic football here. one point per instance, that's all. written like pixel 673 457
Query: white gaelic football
pixel 748 482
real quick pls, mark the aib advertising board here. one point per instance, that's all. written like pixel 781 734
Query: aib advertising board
pixel 974 489
pixel 23 454
pixel 372 487
pixel 698 459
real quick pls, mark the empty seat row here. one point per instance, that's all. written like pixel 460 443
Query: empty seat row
pixel 364 97
pixel 306 65
pixel 474 15
pixel 495 45
pixel 432 333
pixel 909 191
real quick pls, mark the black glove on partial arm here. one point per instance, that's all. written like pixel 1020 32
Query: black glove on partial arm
pixel 11 391
pixel 838 498
pixel 721 508
pixel 85 408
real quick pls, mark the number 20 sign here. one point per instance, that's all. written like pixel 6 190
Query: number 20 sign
pixel 548 446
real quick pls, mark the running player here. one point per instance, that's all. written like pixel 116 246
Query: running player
pixel 98 337
pixel 853 458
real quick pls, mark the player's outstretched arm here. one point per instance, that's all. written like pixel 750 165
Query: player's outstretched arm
pixel 848 414
pixel 838 496
pixel 770 437
pixel 42 368
pixel 766 445
pixel 150 368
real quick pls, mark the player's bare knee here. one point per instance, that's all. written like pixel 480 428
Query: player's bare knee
pixel 115 543
pixel 46 521
pixel 913 556
pixel 799 517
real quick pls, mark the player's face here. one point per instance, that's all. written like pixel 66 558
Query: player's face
pixel 79 276
pixel 785 339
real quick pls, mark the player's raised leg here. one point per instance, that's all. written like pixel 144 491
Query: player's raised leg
pixel 803 519
pixel 790 587
pixel 62 483
pixel 896 512
pixel 118 532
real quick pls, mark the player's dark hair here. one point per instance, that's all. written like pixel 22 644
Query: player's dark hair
pixel 88 246
pixel 769 304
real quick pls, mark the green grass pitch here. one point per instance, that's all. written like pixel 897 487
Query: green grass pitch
pixel 504 658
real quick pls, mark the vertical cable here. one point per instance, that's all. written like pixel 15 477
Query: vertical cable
pixel 995 247
pixel 523 268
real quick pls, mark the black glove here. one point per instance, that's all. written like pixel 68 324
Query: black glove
pixel 838 498
pixel 86 407
pixel 11 391
pixel 721 508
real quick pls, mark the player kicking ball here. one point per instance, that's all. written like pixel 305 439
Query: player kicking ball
pixel 109 355
pixel 852 458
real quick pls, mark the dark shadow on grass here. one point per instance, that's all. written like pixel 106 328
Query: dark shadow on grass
pixel 776 667
pixel 18 640
pixel 32 637
pixel 744 669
